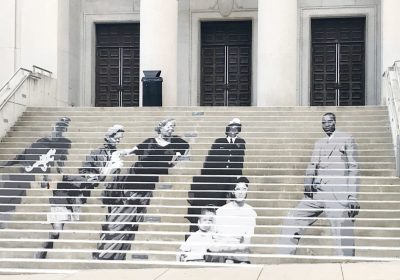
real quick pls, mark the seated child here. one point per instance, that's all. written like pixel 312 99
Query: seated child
pixel 197 244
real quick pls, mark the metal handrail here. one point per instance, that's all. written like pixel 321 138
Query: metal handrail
pixel 34 67
pixel 8 82
pixel 393 99
pixel 396 66
pixel 16 87
pixel 29 74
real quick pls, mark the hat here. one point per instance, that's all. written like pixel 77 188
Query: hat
pixel 235 121
pixel 114 130
pixel 65 120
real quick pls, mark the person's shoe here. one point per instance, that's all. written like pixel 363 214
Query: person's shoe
pixel 40 255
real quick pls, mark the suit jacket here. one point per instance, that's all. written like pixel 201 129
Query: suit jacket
pixel 333 166
pixel 225 158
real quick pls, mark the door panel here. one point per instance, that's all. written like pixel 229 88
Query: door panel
pixel 130 78
pixel 323 75
pixel 213 76
pixel 352 79
pixel 239 76
pixel 338 62
pixel 107 77
pixel 225 64
pixel 117 65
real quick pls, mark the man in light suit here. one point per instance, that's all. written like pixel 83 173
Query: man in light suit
pixel 330 187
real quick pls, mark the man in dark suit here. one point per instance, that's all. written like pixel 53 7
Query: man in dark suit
pixel 330 187
pixel 226 154
pixel 223 164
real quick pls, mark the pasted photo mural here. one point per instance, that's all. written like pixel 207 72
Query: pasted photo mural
pixel 220 222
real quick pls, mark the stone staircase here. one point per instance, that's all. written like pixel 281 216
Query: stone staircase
pixel 279 142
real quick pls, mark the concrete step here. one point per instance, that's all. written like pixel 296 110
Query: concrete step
pixel 263 235
pixel 75 132
pixel 179 189
pixel 270 243
pixel 288 200
pixel 177 198
pixel 279 142
pixel 200 111
pixel 255 165
pixel 212 109
pixel 254 180
pixel 279 132
pixel 211 122
pixel 173 214
pixel 183 227
pixel 170 255
pixel 199 145
pixel 77 159
pixel 194 137
pixel 163 255
pixel 246 172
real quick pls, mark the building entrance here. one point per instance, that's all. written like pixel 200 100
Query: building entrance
pixel 338 62
pixel 226 63
pixel 117 65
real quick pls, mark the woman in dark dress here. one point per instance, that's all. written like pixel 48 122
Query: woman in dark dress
pixel 155 156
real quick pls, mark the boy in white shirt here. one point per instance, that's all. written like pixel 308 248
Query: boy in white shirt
pixel 197 244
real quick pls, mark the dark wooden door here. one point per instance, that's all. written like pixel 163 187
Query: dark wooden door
pixel 338 62
pixel 117 65
pixel 226 63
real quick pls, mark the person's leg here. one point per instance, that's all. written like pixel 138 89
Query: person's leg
pixel 122 219
pixel 342 227
pixel 55 234
pixel 295 223
pixel 4 218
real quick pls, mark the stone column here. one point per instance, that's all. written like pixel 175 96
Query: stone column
pixel 158 44
pixel 390 32
pixel 277 53
pixel 390 39
pixel 7 40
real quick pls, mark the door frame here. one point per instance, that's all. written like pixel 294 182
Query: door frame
pixel 337 45
pixel 226 93
pixel 88 50
pixel 195 50
pixel 369 10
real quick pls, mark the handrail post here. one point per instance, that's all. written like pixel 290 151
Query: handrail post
pixel 398 156
pixel 390 77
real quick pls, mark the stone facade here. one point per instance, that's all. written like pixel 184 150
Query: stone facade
pixel 60 36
